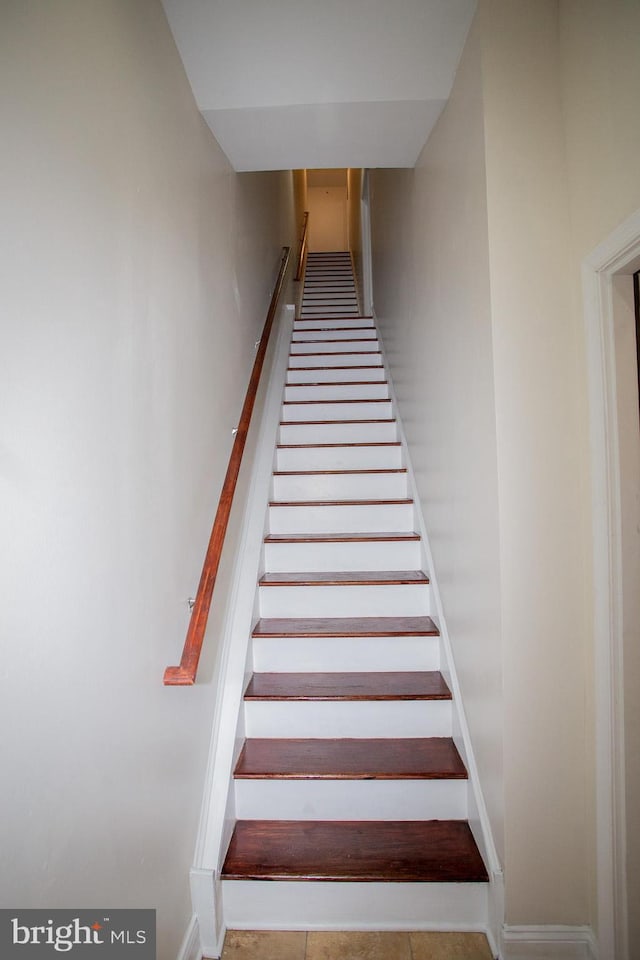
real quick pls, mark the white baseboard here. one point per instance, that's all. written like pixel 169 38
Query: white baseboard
pixel 548 943
pixel 190 946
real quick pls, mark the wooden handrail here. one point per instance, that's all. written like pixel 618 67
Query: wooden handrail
pixel 185 673
pixel 302 249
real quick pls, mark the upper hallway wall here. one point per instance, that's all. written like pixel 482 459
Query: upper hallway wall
pixel 135 280
pixel 600 73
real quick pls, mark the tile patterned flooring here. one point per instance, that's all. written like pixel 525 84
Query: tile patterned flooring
pixel 299 945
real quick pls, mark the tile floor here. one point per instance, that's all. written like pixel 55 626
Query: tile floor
pixel 298 945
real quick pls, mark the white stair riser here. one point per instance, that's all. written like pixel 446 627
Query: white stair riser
pixel 340 486
pixel 338 391
pixel 329 267
pixel 330 273
pixel 300 325
pixel 331 302
pixel 329 277
pixel 332 276
pixel 327 346
pixel 353 358
pixel 349 718
pixel 340 292
pixel 339 458
pixel 371 555
pixel 320 259
pixel 357 432
pixel 342 600
pixel 327 311
pixel 330 654
pixel 342 518
pixel 335 333
pixel 334 374
pixel 309 905
pixel 351 799
pixel 356 410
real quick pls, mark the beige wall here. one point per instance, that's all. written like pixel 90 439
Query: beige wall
pixel 431 290
pixel 542 465
pixel 600 84
pixel 477 257
pixel 135 280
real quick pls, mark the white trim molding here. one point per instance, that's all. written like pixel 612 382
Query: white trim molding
pixel 548 943
pixel 190 946
pixel 611 257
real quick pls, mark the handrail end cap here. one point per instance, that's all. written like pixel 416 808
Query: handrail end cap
pixel 178 677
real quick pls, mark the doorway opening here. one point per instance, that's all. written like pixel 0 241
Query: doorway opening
pixel 610 287
pixel 327 203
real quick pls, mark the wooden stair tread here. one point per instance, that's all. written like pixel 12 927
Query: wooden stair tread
pixel 339 537
pixel 323 423
pixel 301 403
pixel 338 503
pixel 335 353
pixel 339 473
pixel 340 383
pixel 372 443
pixel 427 758
pixel 367 366
pixel 397 851
pixel 340 340
pixel 324 317
pixel 405 685
pixel 325 578
pixel 345 627
pixel 330 330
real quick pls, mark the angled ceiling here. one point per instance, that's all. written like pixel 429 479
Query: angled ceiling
pixel 331 83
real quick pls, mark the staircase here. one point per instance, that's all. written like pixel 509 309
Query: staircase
pixel 329 287
pixel 350 795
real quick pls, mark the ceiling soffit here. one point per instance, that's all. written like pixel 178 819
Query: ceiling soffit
pixel 291 83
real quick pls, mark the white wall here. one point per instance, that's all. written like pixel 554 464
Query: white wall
pixel 136 272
